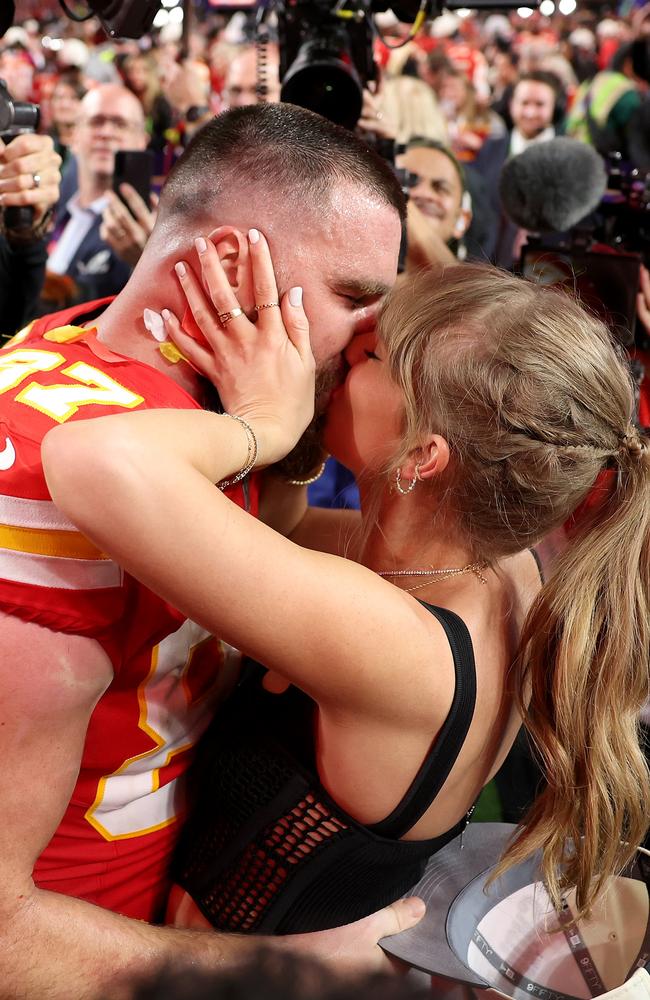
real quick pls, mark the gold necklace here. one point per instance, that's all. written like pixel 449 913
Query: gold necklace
pixel 440 574
pixel 312 479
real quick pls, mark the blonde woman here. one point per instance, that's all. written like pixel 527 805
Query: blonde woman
pixel 476 419
pixel 403 108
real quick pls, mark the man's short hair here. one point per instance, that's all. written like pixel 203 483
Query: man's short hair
pixel 293 152
pixel 542 76
pixel 421 142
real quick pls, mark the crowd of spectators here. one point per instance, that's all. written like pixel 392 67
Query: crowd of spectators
pixel 458 100
pixel 452 105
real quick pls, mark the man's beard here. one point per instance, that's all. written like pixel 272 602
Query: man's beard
pixel 305 457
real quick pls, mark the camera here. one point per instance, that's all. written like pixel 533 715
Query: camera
pixel 622 220
pixel 326 48
pixel 600 257
pixel 326 60
pixel 17 117
pixel 118 18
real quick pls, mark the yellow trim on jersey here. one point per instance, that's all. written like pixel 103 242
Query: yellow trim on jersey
pixel 41 542
pixel 65 334
pixel 159 741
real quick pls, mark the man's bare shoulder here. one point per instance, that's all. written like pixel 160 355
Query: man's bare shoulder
pixel 43 672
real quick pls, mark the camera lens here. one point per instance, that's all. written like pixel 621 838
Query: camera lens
pixel 324 79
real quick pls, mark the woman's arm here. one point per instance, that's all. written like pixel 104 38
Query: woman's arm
pixel 324 623
pixel 140 485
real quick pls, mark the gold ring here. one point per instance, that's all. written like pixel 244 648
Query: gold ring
pixel 268 305
pixel 227 316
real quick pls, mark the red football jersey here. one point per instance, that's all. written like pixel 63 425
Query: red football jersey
pixel 114 842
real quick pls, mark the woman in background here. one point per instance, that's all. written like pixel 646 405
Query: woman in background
pixel 65 103
pixel 141 76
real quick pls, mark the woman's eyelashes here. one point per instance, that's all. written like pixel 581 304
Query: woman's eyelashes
pixel 371 355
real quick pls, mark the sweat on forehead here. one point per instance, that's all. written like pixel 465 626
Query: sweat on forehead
pixel 341 215
pixel 280 151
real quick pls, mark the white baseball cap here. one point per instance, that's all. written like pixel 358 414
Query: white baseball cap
pixel 510 938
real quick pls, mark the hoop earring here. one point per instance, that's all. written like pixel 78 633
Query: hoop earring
pixel 411 486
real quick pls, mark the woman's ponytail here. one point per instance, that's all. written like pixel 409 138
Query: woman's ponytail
pixel 584 675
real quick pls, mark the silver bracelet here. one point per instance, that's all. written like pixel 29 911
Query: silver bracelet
pixel 251 456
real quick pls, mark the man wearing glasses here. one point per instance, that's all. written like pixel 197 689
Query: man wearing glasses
pixel 111 119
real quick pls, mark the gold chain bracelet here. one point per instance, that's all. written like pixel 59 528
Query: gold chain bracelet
pixel 251 455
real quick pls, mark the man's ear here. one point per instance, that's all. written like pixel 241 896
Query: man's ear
pixel 429 460
pixel 232 246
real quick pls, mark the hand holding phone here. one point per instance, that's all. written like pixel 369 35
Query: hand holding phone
pixel 126 230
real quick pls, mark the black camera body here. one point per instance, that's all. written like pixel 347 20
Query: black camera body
pixel 600 258
pixel 16 118
pixel 326 58
pixel 326 48
pixel 119 18
pixel 622 220
pixel 125 18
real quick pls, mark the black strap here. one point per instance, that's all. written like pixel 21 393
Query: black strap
pixel 540 569
pixel 443 755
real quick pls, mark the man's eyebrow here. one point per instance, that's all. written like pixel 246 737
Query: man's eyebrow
pixel 361 288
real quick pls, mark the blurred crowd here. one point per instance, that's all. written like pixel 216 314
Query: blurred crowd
pixel 455 102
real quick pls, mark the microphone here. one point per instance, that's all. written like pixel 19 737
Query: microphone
pixel 552 185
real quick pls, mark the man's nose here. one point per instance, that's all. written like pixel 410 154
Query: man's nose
pixel 360 343
pixel 371 314
pixel 108 131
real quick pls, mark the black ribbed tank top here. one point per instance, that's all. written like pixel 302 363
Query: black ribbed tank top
pixel 267 850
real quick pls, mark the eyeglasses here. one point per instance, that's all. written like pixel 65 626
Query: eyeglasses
pixel 119 124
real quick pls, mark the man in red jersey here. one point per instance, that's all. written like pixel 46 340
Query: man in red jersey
pixel 105 688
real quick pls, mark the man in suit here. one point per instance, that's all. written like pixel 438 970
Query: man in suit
pixel 111 119
pixel 536 109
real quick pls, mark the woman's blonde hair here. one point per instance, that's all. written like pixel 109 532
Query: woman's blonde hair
pixel 412 107
pixel 153 88
pixel 535 401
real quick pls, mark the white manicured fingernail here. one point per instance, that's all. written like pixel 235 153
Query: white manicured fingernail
pixel 180 269
pixel 200 244
pixel 295 295
pixel 253 235
pixel 153 322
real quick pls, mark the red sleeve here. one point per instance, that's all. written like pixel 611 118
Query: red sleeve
pixel 49 572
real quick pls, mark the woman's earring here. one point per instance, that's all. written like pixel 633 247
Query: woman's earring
pixel 411 485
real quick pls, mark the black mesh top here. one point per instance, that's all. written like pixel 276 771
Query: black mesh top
pixel 267 850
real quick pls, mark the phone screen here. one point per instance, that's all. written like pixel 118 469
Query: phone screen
pixel 134 167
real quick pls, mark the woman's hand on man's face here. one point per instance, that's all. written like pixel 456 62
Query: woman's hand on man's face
pixel 263 370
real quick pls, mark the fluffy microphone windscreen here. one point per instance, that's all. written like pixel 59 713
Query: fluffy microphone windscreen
pixel 552 185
